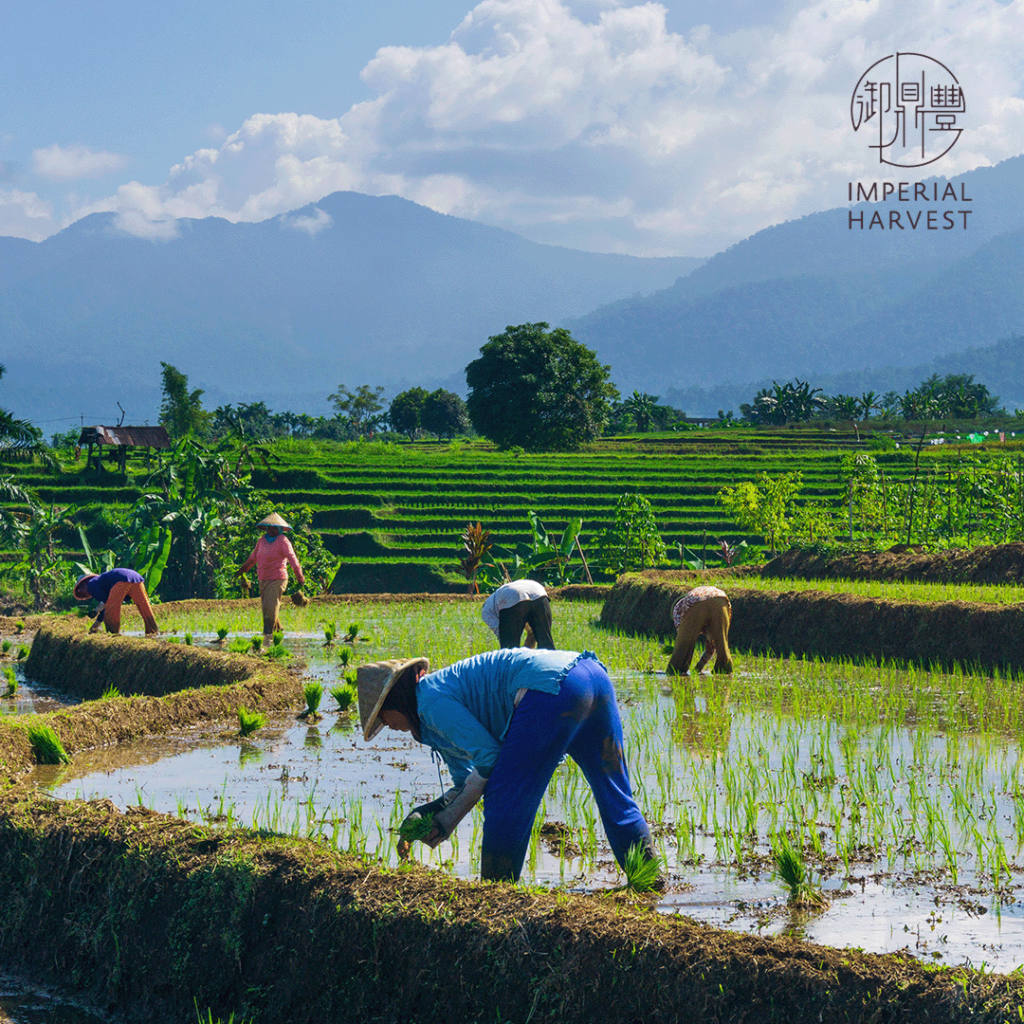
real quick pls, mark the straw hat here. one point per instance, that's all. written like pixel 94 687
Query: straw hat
pixel 80 591
pixel 374 682
pixel 274 520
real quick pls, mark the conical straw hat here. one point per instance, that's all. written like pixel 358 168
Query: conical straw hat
pixel 274 520
pixel 373 683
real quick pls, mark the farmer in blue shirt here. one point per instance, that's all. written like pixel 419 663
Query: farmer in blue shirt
pixel 111 588
pixel 502 721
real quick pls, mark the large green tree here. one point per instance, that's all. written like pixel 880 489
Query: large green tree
pixel 444 414
pixel 406 409
pixel 181 410
pixel 539 389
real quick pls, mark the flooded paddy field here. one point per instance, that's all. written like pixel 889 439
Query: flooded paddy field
pixel 901 790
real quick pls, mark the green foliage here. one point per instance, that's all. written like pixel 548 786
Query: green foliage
pixel 181 410
pixel 416 827
pixel 249 721
pixel 46 745
pixel 406 409
pixel 360 406
pixel 110 692
pixel 344 696
pixel 643 872
pixel 344 656
pixel 444 414
pixel 545 558
pixel 240 645
pixel 278 637
pixel 22 653
pixel 330 632
pixel 11 680
pixel 539 390
pixel 5 646
pixel 222 633
pixel 633 540
pixel 278 652
pixel 766 508
pixel 793 872
pixel 313 691
pixel 353 633
pixel 188 639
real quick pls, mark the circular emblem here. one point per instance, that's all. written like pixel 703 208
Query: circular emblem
pixel 908 105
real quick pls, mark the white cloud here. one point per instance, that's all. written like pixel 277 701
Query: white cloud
pixel 591 124
pixel 26 215
pixel 312 225
pixel 69 163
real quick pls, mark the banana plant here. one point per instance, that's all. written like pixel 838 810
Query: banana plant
pixel 545 558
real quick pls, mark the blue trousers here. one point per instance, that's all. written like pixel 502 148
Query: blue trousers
pixel 581 720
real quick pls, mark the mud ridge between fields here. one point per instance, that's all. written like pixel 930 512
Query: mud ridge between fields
pixel 164 687
pixel 145 913
pixel 948 633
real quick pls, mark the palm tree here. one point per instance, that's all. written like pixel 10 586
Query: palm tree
pixel 868 402
pixel 641 405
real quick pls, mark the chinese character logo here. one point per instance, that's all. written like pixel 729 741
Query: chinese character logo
pixel 908 104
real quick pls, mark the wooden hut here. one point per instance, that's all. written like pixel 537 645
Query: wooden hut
pixel 119 440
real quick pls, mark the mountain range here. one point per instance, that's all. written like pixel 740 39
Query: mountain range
pixel 359 289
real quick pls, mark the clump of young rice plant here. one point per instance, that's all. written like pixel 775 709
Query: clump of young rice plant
pixel 12 681
pixel 249 721
pixel 46 745
pixel 110 692
pixel 313 691
pixel 278 637
pixel 344 696
pixel 345 656
pixel 256 643
pixel 22 653
pixel 5 646
pixel 188 639
pixel 278 651
pixel 240 645
pixel 19 626
pixel 643 872
pixel 330 632
pixel 793 872
pixel 353 633
pixel 222 634
pixel 210 1019
pixel 416 828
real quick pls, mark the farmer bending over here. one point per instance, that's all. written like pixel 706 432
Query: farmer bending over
pixel 272 556
pixel 502 721
pixel 515 605
pixel 704 611
pixel 110 589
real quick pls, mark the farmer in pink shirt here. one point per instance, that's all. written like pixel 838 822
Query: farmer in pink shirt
pixel 272 556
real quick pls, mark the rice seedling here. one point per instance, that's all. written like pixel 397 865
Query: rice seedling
pixel 278 637
pixel 240 645
pixel 5 646
pixel 345 656
pixel 222 634
pixel 313 691
pixel 22 653
pixel 643 871
pixel 188 639
pixel 46 745
pixel 344 696
pixel 12 681
pixel 793 872
pixel 353 633
pixel 256 643
pixel 19 626
pixel 417 827
pixel 210 1019
pixel 330 632
pixel 249 721
pixel 110 692
pixel 278 652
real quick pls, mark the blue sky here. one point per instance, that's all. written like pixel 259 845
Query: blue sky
pixel 651 128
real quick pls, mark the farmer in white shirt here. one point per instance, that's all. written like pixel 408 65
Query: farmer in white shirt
pixel 519 604
pixel 704 611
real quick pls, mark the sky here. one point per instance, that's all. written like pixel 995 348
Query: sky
pixel 671 128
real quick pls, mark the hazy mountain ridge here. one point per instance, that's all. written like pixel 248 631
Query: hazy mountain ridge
pixel 348 290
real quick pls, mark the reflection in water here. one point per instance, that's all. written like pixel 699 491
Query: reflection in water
pixel 24 1003
pixel 703 718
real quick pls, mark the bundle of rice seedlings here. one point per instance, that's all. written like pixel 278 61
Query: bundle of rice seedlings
pixel 12 681
pixel 249 721
pixel 222 634
pixel 278 637
pixel 313 691
pixel 109 692
pixel 299 599
pixel 643 872
pixel 19 626
pixel 793 872
pixel 46 745
pixel 416 827
pixel 188 639
pixel 240 645
pixel 353 632
pixel 345 656
pixel 22 653
pixel 278 652
pixel 330 632
pixel 5 646
pixel 257 643
pixel 345 696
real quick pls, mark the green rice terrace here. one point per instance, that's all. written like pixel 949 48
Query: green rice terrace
pixel 394 513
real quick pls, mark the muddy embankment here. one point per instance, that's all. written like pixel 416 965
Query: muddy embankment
pixel 146 913
pixel 981 636
pixel 163 686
